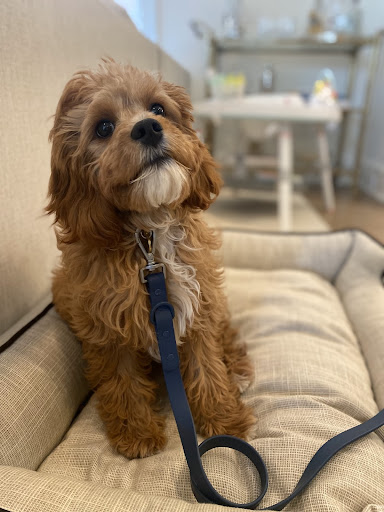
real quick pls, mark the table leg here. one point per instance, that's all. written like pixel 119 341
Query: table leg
pixel 326 169
pixel 285 157
pixel 240 170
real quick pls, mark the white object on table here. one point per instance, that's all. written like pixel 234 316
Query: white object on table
pixel 284 109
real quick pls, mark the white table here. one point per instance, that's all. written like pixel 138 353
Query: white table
pixel 284 109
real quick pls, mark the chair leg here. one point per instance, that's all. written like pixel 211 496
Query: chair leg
pixel 326 169
pixel 285 157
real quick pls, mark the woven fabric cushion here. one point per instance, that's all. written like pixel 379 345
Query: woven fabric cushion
pixel 311 383
pixel 41 385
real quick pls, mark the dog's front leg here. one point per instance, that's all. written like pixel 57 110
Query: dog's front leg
pixel 126 399
pixel 213 396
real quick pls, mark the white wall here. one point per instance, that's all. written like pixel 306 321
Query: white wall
pixel 177 38
pixel 144 14
pixel 372 178
pixel 167 22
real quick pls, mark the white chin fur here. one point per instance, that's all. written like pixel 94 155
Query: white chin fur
pixel 162 184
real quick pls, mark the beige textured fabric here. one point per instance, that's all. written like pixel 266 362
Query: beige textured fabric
pixel 315 369
pixel 30 316
pixel 42 44
pixel 42 386
pixel 360 285
pixel 304 352
pixel 324 254
pixel 27 491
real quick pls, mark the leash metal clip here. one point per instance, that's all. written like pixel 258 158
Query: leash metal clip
pixel 149 256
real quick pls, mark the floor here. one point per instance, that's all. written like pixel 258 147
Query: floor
pixel 360 212
pixel 256 210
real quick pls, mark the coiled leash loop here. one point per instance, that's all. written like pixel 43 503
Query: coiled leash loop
pixel 162 314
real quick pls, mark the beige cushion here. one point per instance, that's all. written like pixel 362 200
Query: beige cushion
pixel 311 383
pixel 318 372
pixel 361 288
pixel 42 386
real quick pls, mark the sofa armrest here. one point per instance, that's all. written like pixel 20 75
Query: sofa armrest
pixel 42 386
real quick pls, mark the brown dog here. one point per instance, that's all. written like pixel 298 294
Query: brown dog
pixel 125 157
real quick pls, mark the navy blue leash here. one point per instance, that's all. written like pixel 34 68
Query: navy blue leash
pixel 162 314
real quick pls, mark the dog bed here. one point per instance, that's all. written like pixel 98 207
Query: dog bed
pixel 311 309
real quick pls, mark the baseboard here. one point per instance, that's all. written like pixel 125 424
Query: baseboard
pixel 372 179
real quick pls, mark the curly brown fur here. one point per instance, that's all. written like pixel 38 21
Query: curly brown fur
pixel 101 190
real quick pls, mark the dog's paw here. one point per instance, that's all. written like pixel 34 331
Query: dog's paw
pixel 143 447
pixel 148 441
pixel 140 448
pixel 238 422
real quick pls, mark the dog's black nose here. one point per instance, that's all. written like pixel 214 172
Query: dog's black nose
pixel 148 132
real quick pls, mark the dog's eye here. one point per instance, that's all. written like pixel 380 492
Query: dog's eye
pixel 105 129
pixel 157 109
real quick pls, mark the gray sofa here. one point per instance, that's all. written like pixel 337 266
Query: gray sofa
pixel 310 307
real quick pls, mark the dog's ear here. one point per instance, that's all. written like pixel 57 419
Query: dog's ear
pixel 78 91
pixel 64 136
pixel 74 198
pixel 80 209
pixel 180 96
pixel 206 180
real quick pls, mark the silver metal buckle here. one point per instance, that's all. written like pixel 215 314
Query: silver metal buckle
pixel 149 256
pixel 151 268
